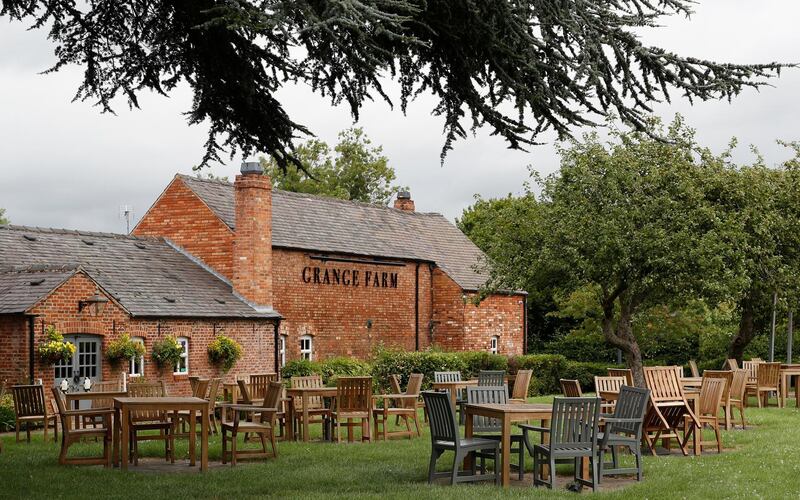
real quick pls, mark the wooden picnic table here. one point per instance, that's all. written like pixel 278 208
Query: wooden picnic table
pixel 73 399
pixel 789 372
pixel 454 387
pixel 123 407
pixel 304 393
pixel 508 414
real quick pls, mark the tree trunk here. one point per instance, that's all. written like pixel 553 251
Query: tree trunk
pixel 621 336
pixel 746 330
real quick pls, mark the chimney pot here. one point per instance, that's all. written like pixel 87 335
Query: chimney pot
pixel 404 201
pixel 251 167
pixel 404 195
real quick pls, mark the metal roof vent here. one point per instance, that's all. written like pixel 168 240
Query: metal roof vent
pixel 140 245
pixel 88 242
pixel 169 299
pixel 251 167
pixel 221 301
pixel 37 282
pixel 29 237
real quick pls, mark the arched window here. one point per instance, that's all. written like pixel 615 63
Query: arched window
pixel 494 344
pixel 306 347
pixel 182 368
pixel 137 362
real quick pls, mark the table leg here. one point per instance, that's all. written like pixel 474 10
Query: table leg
pixel 506 452
pixel 796 391
pixel 125 436
pixel 697 438
pixel 467 435
pixel 192 436
pixel 545 439
pixel 115 439
pixel 783 391
pixel 290 420
pixel 305 417
pixel 585 469
pixel 204 439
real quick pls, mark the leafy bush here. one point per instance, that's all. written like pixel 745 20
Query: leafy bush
pixel 7 416
pixel 579 345
pixel 402 363
pixel 54 348
pixel 298 368
pixel 547 370
pixel 329 369
pixel 124 349
pixel 585 373
pixel 225 352
pixel 476 361
pixel 167 352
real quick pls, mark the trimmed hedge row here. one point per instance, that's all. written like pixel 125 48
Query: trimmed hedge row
pixel 547 368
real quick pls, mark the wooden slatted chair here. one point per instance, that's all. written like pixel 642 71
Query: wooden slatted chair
pixel 259 383
pixel 205 389
pixel 693 368
pixel 725 403
pixel 752 379
pixel 460 393
pixel 623 429
pixel 70 436
pixel 522 383
pixel 402 408
pixel 102 404
pixel 622 372
pixel 30 407
pixel 445 437
pixel 731 364
pixel 767 382
pixel 668 405
pixel 394 383
pixel 490 428
pixel 353 402
pixel 604 386
pixel 143 422
pixel 262 420
pixel 711 392
pixel 317 413
pixel 571 388
pixel 491 378
pixel 737 393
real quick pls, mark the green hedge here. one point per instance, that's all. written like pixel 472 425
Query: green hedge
pixel 330 369
pixel 7 417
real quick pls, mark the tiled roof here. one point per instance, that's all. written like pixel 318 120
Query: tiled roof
pixel 325 224
pixel 21 289
pixel 148 276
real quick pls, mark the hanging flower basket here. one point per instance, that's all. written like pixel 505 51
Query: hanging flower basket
pixel 54 348
pixel 167 352
pixel 124 349
pixel 225 352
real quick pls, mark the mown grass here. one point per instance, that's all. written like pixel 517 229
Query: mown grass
pixel 760 462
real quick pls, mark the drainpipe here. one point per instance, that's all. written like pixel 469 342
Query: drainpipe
pixel 31 335
pixel 416 309
pixel 524 324
pixel 277 338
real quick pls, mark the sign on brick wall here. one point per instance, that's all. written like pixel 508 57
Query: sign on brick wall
pixel 348 277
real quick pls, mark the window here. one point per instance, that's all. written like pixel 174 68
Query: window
pixel 493 344
pixel 306 347
pixel 282 350
pixel 183 365
pixel 137 362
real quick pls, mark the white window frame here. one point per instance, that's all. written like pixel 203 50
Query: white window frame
pixel 307 352
pixel 184 342
pixel 137 361
pixel 494 344
pixel 282 349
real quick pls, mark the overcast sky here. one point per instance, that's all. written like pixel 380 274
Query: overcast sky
pixel 63 164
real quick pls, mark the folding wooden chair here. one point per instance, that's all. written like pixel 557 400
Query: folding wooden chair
pixel 571 388
pixel 622 372
pixel 521 384
pixel 711 392
pixel 725 402
pixel 668 405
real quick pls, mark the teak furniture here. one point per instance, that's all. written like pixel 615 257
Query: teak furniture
pixel 727 376
pixel 259 384
pixel 353 402
pixel 126 406
pixel 405 407
pixel 262 422
pixel 313 408
pixel 768 378
pixel 521 384
pixel 30 406
pixel 707 412
pixel 623 429
pixel 71 435
pixel 737 393
pixel 491 377
pixel 394 381
pixel 788 373
pixel 490 428
pixel 571 388
pixel 668 406
pixel 208 390
pixel 141 421
pixel 304 395
pixel 693 368
pixel 445 437
pixel 607 389
pixel 622 372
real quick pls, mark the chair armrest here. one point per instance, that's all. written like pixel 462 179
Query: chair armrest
pixel 249 408
pixel 534 428
pixel 622 420
pixel 87 413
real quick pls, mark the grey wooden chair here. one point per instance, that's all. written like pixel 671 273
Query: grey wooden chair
pixel 623 429
pixel 573 435
pixel 460 394
pixel 491 377
pixel 490 428
pixel 445 437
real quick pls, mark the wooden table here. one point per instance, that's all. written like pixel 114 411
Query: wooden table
pixel 74 398
pixel 125 405
pixel 507 414
pixel 789 372
pixel 304 393
pixel 691 382
pixel 453 388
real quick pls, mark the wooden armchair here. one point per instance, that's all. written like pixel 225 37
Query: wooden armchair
pixel 571 388
pixel 405 408
pixel 737 393
pixel 317 413
pixel 143 421
pixel 607 389
pixel 204 389
pixel 30 406
pixel 394 382
pixel 259 384
pixel 768 378
pixel 711 392
pixel 731 364
pixel 521 384
pixel 668 405
pixel 102 404
pixel 623 429
pixel 622 372
pixel 725 402
pixel 261 422
pixel 70 436
pixel 353 402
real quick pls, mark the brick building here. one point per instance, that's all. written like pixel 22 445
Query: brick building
pixel 288 275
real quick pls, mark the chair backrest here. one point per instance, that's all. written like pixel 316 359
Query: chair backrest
pixel 29 400
pixel 244 393
pixel 757 360
pixel 622 372
pixel 486 395
pixel 491 377
pixel 61 406
pixel 738 384
pixel 201 388
pixel 769 374
pixel 309 382
pixel 442 418
pixel 678 371
pixel 732 364
pixel 725 375
pixel 213 391
pixel 354 394
pixel 147 390
pixel 663 383
pixel 752 371
pixel 394 382
pixel 273 395
pixel 193 382
pixel 711 391
pixel 447 376
pixel 693 368
pixel 608 384
pixel 571 388
pixel 105 386
pixel 412 389
pixel 632 403
pixel 521 384
pixel 259 384
pixel 574 423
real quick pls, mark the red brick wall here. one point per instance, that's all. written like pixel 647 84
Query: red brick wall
pixel 60 309
pixel 182 217
pixel 252 243
pixel 336 315
pixel 448 312
pixel 500 315
pixel 13 348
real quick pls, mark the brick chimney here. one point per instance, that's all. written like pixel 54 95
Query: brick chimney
pixel 252 245
pixel 404 202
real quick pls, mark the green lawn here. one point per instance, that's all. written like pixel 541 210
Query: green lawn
pixel 761 462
